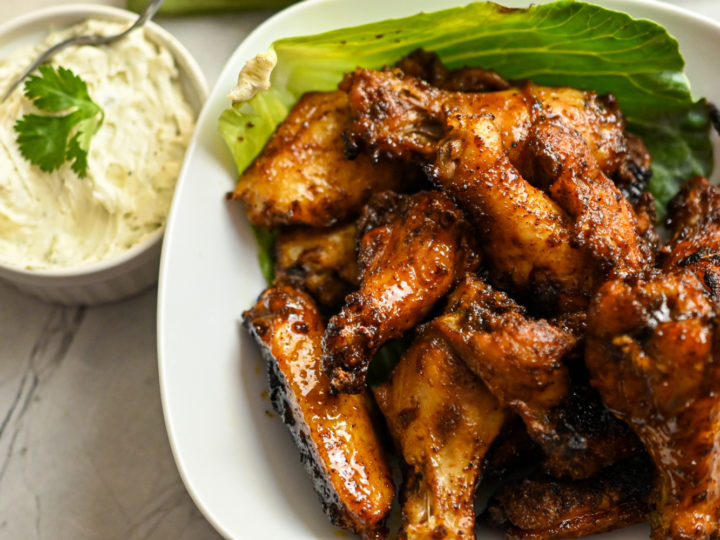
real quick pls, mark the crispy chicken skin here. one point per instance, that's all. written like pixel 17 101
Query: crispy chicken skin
pixel 634 173
pixel 334 434
pixel 694 217
pixel 443 420
pixel 520 361
pixel 584 437
pixel 302 176
pixel 652 351
pixel 696 206
pixel 646 214
pixel 526 235
pixel 413 249
pixel 398 115
pixel 427 66
pixel 319 261
pixel 543 508
pixel 478 149
pixel 604 221
pixel 518 358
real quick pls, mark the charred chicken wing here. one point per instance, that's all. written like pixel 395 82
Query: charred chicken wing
pixel 604 221
pixel 652 350
pixel 542 508
pixel 302 176
pixel 443 420
pixel 412 251
pixel 694 217
pixel 319 261
pixel 335 434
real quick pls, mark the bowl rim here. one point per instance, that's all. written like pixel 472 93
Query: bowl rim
pixel 186 63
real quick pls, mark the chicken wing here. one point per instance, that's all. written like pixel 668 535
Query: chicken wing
pixel 652 350
pixel 694 217
pixel 443 420
pixel 334 434
pixel 302 176
pixel 526 235
pixel 604 222
pixel 541 508
pixel 412 251
pixel 319 261
pixel 520 361
pixel 518 358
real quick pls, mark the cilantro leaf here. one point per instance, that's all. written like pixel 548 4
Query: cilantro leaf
pixel 49 141
pixel 42 139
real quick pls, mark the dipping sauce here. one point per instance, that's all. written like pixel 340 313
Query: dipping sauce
pixel 55 220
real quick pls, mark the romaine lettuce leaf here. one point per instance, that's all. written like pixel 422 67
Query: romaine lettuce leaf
pixel 564 43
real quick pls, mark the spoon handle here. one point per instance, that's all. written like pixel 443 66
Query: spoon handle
pixel 144 17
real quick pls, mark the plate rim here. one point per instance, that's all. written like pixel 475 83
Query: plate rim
pixel 209 106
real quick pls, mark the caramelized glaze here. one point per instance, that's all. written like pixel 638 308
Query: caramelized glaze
pixel 335 435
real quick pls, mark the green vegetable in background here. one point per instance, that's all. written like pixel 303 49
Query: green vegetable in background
pixel 266 241
pixel 187 7
pixel 49 140
pixel 386 359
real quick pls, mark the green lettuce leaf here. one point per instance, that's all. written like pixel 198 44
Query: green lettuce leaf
pixel 265 240
pixel 564 43
pixel 386 359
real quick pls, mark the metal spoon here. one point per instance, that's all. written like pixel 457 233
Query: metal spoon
pixel 144 17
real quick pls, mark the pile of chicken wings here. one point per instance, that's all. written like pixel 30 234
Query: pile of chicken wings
pixel 558 350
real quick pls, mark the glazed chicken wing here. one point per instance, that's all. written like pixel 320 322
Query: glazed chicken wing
pixel 542 508
pixel 526 235
pixel 520 361
pixel 302 176
pixel 694 217
pixel 319 261
pixel 413 249
pixel 518 358
pixel 334 434
pixel 652 350
pixel 443 420
pixel 604 221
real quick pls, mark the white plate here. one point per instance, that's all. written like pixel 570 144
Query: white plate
pixel 240 465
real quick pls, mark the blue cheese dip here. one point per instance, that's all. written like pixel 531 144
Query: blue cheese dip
pixel 57 220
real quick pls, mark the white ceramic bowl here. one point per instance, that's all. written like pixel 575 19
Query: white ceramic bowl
pixel 131 271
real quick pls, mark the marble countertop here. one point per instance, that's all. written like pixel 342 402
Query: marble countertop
pixel 83 448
